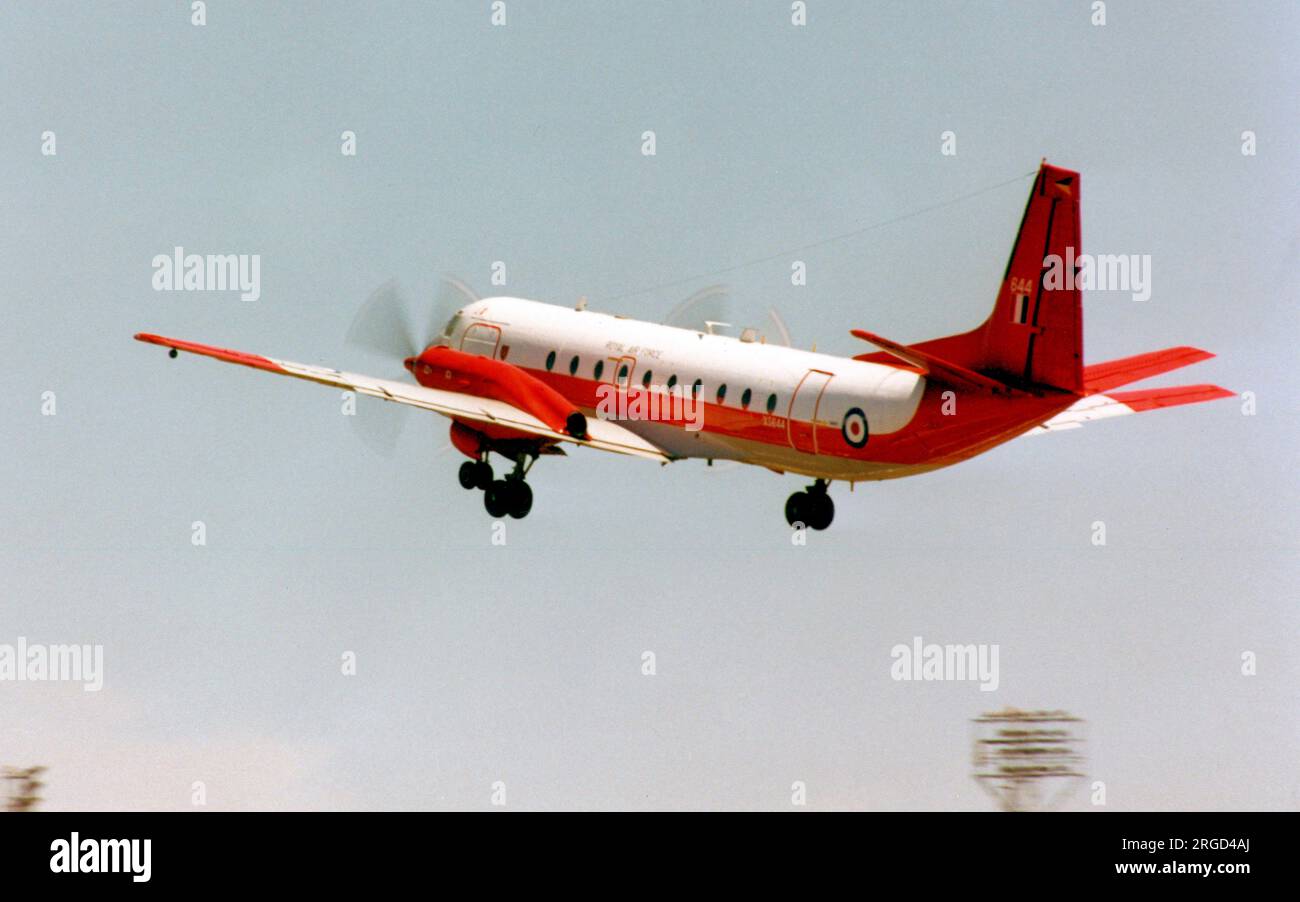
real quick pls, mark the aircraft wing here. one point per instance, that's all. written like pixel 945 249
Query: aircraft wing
pixel 603 435
pixel 1121 403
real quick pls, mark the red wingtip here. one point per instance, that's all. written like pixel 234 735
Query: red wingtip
pixel 224 354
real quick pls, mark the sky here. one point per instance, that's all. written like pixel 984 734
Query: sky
pixel 520 665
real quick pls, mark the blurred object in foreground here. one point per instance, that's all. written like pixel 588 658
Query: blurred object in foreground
pixel 22 787
pixel 1028 760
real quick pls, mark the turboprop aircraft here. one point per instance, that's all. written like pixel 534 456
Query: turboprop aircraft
pixel 521 379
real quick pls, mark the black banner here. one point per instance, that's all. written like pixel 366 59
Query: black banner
pixel 979 852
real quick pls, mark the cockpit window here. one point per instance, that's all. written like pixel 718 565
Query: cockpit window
pixel 452 325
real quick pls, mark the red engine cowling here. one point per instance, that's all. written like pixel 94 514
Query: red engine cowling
pixel 452 370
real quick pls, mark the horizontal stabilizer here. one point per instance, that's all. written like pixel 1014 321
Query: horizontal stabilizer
pixel 1155 398
pixel 1114 373
pixel 935 367
pixel 1122 403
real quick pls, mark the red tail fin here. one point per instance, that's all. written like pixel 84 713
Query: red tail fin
pixel 1036 331
pixel 1035 334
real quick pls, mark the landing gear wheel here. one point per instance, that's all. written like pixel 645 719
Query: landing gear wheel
pixel 496 498
pixel 821 509
pixel 521 498
pixel 796 508
pixel 812 508
pixel 468 475
pixel 482 475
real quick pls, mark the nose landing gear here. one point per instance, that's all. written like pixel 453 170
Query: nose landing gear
pixel 811 507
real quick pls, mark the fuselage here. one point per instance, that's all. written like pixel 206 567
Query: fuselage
pixel 520 379
pixel 786 409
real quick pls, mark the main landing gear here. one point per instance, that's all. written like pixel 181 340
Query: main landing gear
pixel 812 507
pixel 502 497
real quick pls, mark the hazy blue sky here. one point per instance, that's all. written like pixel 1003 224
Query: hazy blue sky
pixel 522 144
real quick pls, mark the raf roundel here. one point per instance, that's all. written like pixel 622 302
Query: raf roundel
pixel 855 427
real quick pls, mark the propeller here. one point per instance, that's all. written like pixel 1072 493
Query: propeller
pixel 703 310
pixel 452 295
pixel 711 306
pixel 781 333
pixel 382 326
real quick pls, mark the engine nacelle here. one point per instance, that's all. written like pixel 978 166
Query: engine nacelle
pixel 484 377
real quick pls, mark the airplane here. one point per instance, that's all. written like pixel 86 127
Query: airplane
pixel 522 378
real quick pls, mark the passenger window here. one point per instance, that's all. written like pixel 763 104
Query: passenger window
pixel 645 380
pixel 505 351
pixel 573 366
pixel 550 361
pixel 600 368
pixel 771 403
pixel 695 389
pixel 672 381
pixel 722 392
pixel 745 398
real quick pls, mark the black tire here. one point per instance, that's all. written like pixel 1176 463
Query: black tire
pixel 496 499
pixel 468 475
pixel 821 510
pixel 482 475
pixel 796 508
pixel 521 498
